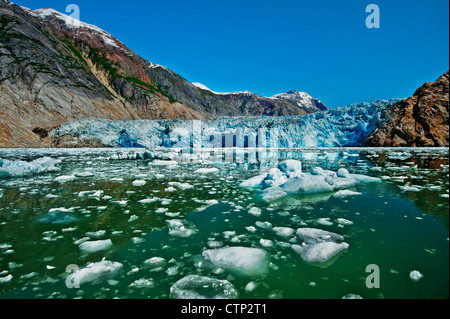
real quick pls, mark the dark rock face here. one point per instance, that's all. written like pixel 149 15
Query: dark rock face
pixel 420 120
pixel 52 73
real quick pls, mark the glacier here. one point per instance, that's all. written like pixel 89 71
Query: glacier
pixel 340 127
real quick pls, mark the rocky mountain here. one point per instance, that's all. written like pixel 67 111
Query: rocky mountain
pixel 54 72
pixel 302 100
pixel 420 120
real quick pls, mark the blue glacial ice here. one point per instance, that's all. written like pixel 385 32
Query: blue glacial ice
pixel 340 127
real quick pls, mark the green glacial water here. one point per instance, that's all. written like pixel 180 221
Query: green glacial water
pixel 149 222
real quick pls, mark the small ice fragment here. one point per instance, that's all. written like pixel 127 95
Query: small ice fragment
pixel 65 178
pixel 352 296
pixel 148 200
pixel 324 221
pixel 345 192
pixel 132 218
pixel 256 211
pixel 139 183
pixel 251 286
pixel 264 225
pixel 415 275
pixel 206 170
pixel 284 231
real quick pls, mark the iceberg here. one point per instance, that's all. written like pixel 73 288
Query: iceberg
pixel 314 235
pixel 181 228
pixel 288 178
pixel 20 168
pixel 241 260
pixel 104 269
pixel 320 253
pixel 58 216
pixel 200 287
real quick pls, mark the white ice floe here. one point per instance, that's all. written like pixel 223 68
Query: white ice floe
pixel 288 178
pixel 143 283
pixel 284 231
pixel 241 260
pixel 206 170
pixel 97 234
pixel 59 216
pixel 345 193
pixel 343 221
pixel 65 178
pixel 255 211
pixel 352 296
pixel 149 200
pixel 200 287
pixel 314 235
pixel 263 225
pixel 95 246
pixel 104 269
pixel 6 279
pixel 181 228
pixel 319 252
pixel 22 168
pixel 164 163
pixel 324 221
pixel 155 264
pixel 139 183
pixel 84 174
pixel 415 275
pixel 181 185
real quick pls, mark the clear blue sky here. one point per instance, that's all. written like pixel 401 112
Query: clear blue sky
pixel 322 47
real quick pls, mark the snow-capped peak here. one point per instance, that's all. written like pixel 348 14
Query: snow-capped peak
pixel 201 86
pixel 72 22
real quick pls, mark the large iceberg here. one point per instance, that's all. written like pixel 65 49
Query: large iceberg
pixel 200 287
pixel 339 127
pixel 288 178
pixel 240 260
pixel 20 168
pixel 104 269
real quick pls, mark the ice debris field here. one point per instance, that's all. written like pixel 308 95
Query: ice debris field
pixel 230 223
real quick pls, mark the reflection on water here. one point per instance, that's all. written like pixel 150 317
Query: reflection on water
pixel 160 214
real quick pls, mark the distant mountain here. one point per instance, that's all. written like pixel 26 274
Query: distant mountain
pixel 52 73
pixel 420 120
pixel 302 100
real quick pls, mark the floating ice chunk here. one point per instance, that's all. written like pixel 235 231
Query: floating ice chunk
pixel 170 189
pixel 345 192
pixel 206 170
pixel 164 163
pixel 343 221
pixel 266 242
pixel 133 218
pixel 254 181
pixel 352 296
pixel 291 168
pixel 143 283
pixel 161 210
pixel 242 260
pixel 415 275
pixel 181 185
pixel 365 178
pixel 251 286
pixel 104 269
pixel 273 193
pixel 181 228
pixel 256 211
pixel 97 234
pixel 319 252
pixel 6 279
pixel 116 179
pixel 284 231
pixel 65 178
pixel 251 229
pixel 149 200
pixel 324 221
pixel 155 264
pixel 313 235
pixel 172 271
pixel 139 183
pixel 95 246
pixel 444 195
pixel 21 168
pixel 59 216
pixel 84 174
pixel 407 188
pixel 263 225
pixel 199 287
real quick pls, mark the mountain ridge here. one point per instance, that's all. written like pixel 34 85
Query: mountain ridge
pixel 53 73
